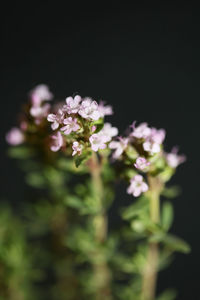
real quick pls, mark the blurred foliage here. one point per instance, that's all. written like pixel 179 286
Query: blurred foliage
pixel 55 245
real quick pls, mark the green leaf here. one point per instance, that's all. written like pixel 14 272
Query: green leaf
pixel 80 159
pixel 176 244
pixel 169 294
pixel 99 125
pixel 171 192
pixel 167 215
pixel 135 209
pixel 36 180
pixel 74 202
pixel 20 152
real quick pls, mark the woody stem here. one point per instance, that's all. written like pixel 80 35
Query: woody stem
pixel 149 278
pixel 102 275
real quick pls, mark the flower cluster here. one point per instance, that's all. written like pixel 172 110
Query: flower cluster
pixel 78 127
pixel 37 111
pixel 77 124
pixel 142 148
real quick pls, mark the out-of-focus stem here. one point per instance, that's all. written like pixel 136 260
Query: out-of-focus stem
pixel 102 275
pixel 151 268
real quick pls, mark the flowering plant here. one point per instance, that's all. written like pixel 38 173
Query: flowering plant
pixel 74 159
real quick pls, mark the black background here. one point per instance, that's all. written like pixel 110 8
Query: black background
pixel 143 59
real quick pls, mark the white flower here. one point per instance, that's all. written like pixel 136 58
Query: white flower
pixel 142 131
pixel 70 125
pixel 56 141
pixel 158 135
pixel 151 147
pixel 119 146
pixel 108 131
pixel 89 110
pixel 97 142
pixel 137 186
pixel 56 119
pixel 39 94
pixel 15 136
pixel 105 110
pixel 77 148
pixel 173 159
pixel 39 112
pixel 73 104
pixel 154 140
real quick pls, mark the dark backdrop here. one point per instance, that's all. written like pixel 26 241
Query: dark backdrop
pixel 144 60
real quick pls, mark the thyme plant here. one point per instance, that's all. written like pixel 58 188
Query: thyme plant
pixel 73 160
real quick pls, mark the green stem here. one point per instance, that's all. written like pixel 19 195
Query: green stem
pixel 149 279
pixel 102 275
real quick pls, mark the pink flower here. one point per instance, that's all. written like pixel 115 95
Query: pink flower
pixel 119 146
pixel 73 104
pixel 141 163
pixel 56 119
pixel 108 131
pixel 39 112
pixel 151 147
pixel 39 94
pixel 97 142
pixel 70 125
pixel 142 131
pixel 15 136
pixel 105 110
pixel 56 141
pixel 89 110
pixel 158 135
pixel 77 148
pixel 173 159
pixel 137 186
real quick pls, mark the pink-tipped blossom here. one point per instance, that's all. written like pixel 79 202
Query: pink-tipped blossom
pixel 141 132
pixel 89 110
pixel 105 110
pixel 119 146
pixel 173 159
pixel 39 112
pixel 15 137
pixel 56 142
pixel 73 104
pixel 97 142
pixel 39 94
pixel 154 140
pixel 77 148
pixel 141 163
pixel 93 128
pixel 70 125
pixel 56 119
pixel 108 132
pixel 137 186
pixel 157 135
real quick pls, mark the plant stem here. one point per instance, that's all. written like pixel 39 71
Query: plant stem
pixel 149 279
pixel 102 275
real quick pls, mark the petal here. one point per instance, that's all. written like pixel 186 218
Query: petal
pixel 137 192
pixel 144 187
pixel 55 125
